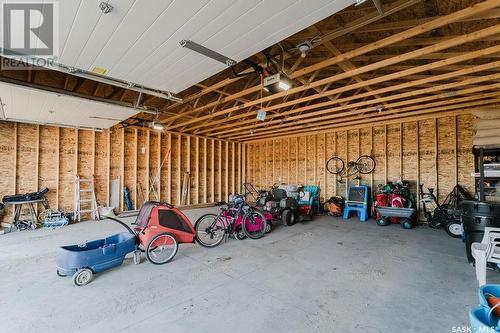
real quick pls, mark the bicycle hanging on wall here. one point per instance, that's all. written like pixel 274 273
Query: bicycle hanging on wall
pixel 364 165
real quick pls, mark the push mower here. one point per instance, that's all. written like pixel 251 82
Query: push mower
pixel 448 213
pixel 158 231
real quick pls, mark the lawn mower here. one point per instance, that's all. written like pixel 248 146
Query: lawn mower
pixel 448 213
pixel 279 204
pixel 158 231
pixel 393 205
pixel 290 203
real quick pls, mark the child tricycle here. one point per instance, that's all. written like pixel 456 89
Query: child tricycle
pixel 158 230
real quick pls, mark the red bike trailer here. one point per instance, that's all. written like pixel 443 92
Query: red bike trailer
pixel 159 228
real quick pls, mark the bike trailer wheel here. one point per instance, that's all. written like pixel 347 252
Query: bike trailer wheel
pixel 162 248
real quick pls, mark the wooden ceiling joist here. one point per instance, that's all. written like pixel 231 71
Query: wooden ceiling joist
pixel 414 70
pixel 316 127
pixel 405 96
pixel 365 20
pixel 419 54
pixel 355 125
pixel 299 120
pixel 462 39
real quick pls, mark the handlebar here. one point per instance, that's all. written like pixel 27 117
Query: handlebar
pixel 122 223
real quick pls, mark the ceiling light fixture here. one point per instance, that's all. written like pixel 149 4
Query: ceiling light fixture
pixel 261 115
pixel 156 125
pixel 207 52
pixel 304 48
pixel 105 7
pixel 284 86
pixel 274 84
pixel 359 2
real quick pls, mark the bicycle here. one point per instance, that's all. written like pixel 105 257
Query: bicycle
pixel 365 164
pixel 238 219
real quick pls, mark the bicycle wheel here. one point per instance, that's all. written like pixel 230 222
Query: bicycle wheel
pixel 254 224
pixel 162 248
pixel 365 164
pixel 210 230
pixel 335 165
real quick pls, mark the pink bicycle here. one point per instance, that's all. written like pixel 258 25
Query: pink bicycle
pixel 238 219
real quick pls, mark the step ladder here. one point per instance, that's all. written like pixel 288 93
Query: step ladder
pixel 85 199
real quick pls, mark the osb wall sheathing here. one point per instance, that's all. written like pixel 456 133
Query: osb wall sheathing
pixel 436 152
pixel 35 156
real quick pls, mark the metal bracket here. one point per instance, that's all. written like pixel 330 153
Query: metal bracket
pixel 379 7
pixel 207 52
pixel 2 115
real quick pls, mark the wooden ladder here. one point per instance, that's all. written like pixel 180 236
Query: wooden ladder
pixel 85 194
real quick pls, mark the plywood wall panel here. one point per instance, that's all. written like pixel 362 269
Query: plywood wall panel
pixel 365 148
pixel 465 134
pixel 310 160
pixel 67 168
pixel 446 156
pixel 379 150
pixel 427 153
pixel 410 154
pixel 421 151
pixel 331 181
pixel 341 150
pixel 7 158
pixel 154 164
pixel 27 150
pixel 101 167
pixel 393 153
pixel 48 163
pixel 176 170
pixel 130 162
pixel 321 162
pixel 294 148
pixel 142 164
pixel 85 154
pixel 35 156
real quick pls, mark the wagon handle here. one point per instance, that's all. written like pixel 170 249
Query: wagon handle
pixel 123 224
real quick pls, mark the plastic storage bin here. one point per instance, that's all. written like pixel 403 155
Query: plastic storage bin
pixel 476 215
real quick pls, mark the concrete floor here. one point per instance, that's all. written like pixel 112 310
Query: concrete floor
pixel 321 276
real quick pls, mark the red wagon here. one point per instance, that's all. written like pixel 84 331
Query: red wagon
pixel 159 229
